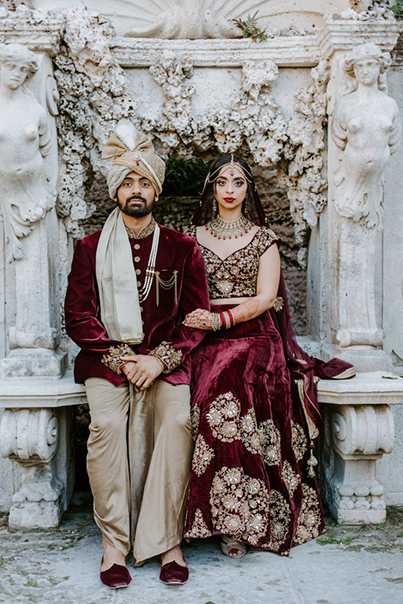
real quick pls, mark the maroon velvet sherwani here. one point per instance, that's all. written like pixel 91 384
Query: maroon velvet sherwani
pixel 99 356
pixel 140 445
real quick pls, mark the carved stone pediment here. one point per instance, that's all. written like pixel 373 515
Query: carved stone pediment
pixel 207 18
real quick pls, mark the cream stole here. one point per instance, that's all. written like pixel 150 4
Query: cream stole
pixel 117 283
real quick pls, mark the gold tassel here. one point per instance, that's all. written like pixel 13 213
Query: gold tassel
pixel 312 462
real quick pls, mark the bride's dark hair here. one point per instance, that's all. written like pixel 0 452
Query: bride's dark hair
pixel 252 203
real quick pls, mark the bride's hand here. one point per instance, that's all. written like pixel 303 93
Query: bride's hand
pixel 199 319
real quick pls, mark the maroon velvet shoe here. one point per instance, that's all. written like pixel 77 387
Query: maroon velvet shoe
pixel 116 576
pixel 173 573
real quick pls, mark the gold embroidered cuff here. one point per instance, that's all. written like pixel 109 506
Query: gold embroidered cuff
pixel 113 361
pixel 171 357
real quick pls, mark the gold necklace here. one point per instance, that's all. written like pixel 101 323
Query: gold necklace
pixel 227 229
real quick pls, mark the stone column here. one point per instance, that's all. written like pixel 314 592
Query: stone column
pixel 36 392
pixel 345 290
pixel 358 430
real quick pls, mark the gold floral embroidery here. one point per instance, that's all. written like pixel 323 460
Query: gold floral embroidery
pixel 270 441
pixel 280 519
pixel 113 360
pixel 258 501
pixel 250 435
pixel 239 505
pixel 309 519
pixel 236 276
pixel 195 419
pixel 199 528
pixel 150 228
pixel 278 304
pixel 170 356
pixel 223 417
pixel 202 456
pixel 299 442
pixel 291 478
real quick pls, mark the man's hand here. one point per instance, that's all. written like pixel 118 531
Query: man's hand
pixel 141 370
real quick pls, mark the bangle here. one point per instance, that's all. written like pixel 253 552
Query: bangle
pixel 216 321
pixel 231 318
pixel 227 320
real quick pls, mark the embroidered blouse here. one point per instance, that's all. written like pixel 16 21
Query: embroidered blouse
pixel 236 275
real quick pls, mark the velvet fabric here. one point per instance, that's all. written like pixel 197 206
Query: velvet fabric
pixel 116 576
pixel 255 414
pixel 249 474
pixel 176 252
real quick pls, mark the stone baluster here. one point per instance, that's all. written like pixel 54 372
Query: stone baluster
pixel 30 437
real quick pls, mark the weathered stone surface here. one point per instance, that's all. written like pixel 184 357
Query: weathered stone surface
pixel 207 18
pixel 195 98
pixel 358 430
pixel 347 564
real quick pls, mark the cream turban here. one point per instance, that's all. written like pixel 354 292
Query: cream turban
pixel 132 151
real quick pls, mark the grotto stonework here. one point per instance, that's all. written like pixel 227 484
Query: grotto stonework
pixel 187 78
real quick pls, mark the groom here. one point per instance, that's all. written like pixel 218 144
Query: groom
pixel 129 287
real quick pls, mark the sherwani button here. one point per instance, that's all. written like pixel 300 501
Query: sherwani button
pixel 138 284
pixel 137 259
pixel 138 271
pixel 136 246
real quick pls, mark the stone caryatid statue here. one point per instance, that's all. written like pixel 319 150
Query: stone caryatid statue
pixel 366 127
pixel 25 141
pixel 366 130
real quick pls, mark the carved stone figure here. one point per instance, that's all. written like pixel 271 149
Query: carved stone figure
pixel 366 130
pixel 25 142
pixel 366 127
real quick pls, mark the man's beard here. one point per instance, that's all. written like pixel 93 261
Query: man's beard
pixel 136 211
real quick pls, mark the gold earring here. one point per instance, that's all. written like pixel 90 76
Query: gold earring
pixel 215 206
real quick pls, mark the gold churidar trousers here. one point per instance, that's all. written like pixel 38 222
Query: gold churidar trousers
pixel 139 458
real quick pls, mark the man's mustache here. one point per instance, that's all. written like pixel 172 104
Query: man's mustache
pixel 137 197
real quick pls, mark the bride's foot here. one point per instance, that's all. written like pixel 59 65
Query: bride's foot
pixel 232 547
pixel 111 556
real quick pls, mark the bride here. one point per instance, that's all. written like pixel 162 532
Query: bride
pixel 253 479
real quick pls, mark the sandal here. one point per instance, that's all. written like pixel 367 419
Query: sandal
pixel 229 543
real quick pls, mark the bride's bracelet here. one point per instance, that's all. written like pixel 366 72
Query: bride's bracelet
pixel 216 323
pixel 227 319
pixel 222 320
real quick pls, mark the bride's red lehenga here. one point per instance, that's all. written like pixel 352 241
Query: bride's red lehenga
pixel 254 415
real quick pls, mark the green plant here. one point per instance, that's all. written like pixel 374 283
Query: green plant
pixel 398 10
pixel 250 29
pixel 184 177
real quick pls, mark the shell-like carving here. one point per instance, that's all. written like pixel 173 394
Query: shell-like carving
pixel 195 19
